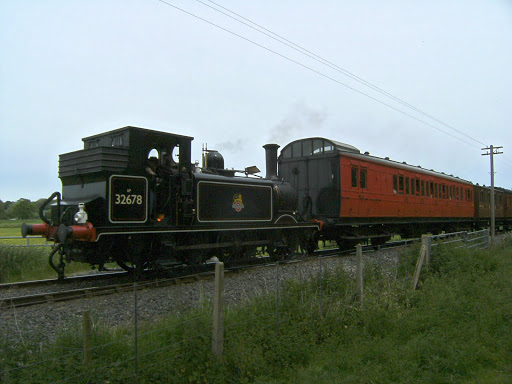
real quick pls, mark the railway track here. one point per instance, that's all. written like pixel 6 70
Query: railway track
pixel 70 279
pixel 94 291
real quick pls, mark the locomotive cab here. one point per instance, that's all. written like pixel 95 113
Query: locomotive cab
pixel 122 175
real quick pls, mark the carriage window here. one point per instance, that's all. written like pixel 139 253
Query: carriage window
pixel 395 183
pixel 431 189
pixel 407 182
pixel 417 187
pixel 317 147
pixel 401 184
pixel 363 178
pixel 354 177
pixel 412 187
pixel 287 153
pixel 306 148
pixel 328 147
pixel 435 190
pixel 297 149
pixel 422 187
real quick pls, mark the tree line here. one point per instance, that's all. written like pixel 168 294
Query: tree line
pixel 22 209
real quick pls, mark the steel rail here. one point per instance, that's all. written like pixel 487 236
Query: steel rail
pixel 70 279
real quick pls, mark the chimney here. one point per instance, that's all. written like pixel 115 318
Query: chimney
pixel 271 160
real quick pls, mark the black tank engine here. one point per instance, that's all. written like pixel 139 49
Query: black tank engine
pixel 133 196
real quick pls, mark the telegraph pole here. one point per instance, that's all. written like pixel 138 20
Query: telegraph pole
pixel 491 151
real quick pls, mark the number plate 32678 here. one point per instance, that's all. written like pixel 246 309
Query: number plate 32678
pixel 128 199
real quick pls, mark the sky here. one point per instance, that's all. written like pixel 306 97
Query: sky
pixel 72 69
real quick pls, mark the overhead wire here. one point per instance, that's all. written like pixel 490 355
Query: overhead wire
pixel 267 32
pixel 316 71
pixel 328 63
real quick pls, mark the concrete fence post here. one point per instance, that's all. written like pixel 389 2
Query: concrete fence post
pixel 218 312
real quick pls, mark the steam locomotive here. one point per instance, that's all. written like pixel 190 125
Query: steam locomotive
pixel 133 196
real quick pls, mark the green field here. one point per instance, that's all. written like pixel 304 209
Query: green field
pixel 27 263
pixel 12 228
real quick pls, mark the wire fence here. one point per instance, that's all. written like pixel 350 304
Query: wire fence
pixel 464 239
pixel 144 335
pixel 20 241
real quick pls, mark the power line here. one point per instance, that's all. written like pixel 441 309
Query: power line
pixel 328 63
pixel 315 71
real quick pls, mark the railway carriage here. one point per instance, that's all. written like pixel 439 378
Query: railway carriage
pixel 503 207
pixel 357 196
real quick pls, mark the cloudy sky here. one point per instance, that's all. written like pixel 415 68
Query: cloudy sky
pixel 71 69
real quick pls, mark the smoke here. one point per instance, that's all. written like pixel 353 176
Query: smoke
pixel 231 146
pixel 301 120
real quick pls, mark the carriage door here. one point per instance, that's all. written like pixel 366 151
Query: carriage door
pixel 359 187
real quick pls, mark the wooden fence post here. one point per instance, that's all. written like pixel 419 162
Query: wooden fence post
pixel 359 273
pixel 218 312
pixel 419 265
pixel 427 242
pixel 87 335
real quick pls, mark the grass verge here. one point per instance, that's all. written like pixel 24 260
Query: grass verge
pixel 455 328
